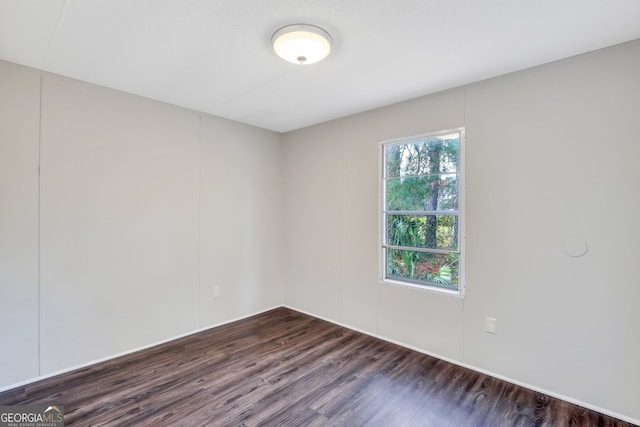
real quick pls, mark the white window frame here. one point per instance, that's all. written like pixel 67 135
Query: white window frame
pixel 382 233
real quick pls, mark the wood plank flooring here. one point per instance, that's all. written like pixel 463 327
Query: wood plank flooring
pixel 284 368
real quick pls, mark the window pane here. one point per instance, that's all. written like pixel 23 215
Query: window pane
pixel 427 157
pixel 421 210
pixel 424 193
pixel 424 268
pixel 423 231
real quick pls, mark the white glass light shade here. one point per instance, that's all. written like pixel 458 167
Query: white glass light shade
pixel 301 43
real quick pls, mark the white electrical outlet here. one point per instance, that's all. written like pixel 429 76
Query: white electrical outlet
pixel 216 291
pixel 490 325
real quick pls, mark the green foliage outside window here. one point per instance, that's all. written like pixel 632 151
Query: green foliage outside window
pixel 421 211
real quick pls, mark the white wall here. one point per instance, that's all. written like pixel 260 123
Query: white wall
pixel 144 208
pixel 551 156
pixel 19 136
pixel 331 187
pixel 569 134
pixel 119 217
pixel 241 220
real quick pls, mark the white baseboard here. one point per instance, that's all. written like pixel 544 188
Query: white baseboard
pixel 114 356
pixel 475 368
pixel 390 340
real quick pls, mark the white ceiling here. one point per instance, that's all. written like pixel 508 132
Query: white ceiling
pixel 215 56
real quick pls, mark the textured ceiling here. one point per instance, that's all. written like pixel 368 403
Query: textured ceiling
pixel 215 56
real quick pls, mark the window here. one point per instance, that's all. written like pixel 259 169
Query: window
pixel 421 211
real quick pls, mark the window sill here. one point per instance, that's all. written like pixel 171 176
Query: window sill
pixel 427 288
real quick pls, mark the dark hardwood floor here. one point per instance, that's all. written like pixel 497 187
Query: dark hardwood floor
pixel 286 368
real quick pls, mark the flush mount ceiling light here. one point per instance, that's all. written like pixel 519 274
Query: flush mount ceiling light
pixel 301 43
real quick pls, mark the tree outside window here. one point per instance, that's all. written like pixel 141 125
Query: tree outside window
pixel 421 212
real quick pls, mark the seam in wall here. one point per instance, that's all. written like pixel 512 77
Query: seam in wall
pixel 199 224
pixel 466 252
pixel 39 273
